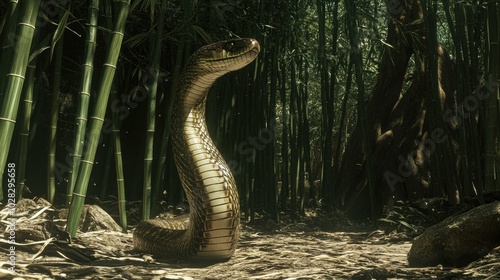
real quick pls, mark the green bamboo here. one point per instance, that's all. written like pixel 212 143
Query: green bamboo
pixel 342 125
pixel 107 20
pixel 242 160
pixel 51 159
pixel 181 56
pixel 333 77
pixel 57 43
pixel 496 86
pixel 25 129
pixel 15 77
pixel 327 104
pixel 8 28
pixel 326 128
pixel 284 139
pixel 84 97
pixel 463 87
pixel 97 119
pixel 160 168
pixel 301 144
pixel 449 19
pixel 108 25
pixel 272 119
pixel 362 118
pixel 306 136
pixel 150 126
pixel 120 178
pixel 475 151
pixel 294 151
pixel 492 102
pixel 106 174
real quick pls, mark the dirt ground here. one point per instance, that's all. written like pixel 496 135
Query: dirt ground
pixel 304 249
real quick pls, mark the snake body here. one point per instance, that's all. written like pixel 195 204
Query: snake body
pixel 212 230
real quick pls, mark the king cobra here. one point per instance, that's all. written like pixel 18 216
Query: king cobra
pixel 212 230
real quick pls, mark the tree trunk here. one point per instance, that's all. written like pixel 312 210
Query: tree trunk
pixel 401 133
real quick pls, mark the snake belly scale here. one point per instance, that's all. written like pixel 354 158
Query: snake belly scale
pixel 212 231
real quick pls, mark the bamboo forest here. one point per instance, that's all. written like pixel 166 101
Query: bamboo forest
pixel 248 139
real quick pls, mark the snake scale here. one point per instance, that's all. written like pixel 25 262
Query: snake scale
pixel 212 230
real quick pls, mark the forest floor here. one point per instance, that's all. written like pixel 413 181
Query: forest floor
pixel 317 246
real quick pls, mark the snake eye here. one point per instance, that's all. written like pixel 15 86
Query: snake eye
pixel 230 46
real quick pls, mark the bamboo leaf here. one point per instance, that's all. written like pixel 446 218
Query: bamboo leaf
pixel 206 37
pixel 37 53
pixel 387 44
pixel 406 224
pixel 387 221
pixel 59 31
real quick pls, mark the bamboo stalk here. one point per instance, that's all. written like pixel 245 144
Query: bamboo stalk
pixel 15 77
pixel 182 54
pixel 97 119
pixel 25 129
pixel 492 113
pixel 273 190
pixel 284 139
pixel 150 126
pixel 294 152
pixel 57 43
pixel 463 73
pixel 106 174
pixel 160 168
pixel 362 118
pixel 9 23
pixel 84 97
pixel 120 178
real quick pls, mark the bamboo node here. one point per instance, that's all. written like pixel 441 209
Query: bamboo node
pixel 109 65
pixel 16 75
pixel 8 120
pixel 27 24
pixel 97 118
pixel 118 33
pixel 79 194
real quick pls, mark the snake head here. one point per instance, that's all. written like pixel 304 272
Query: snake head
pixel 227 56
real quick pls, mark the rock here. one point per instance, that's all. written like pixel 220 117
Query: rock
pixel 36 220
pixel 98 219
pixel 94 218
pixel 458 240
pixel 39 230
